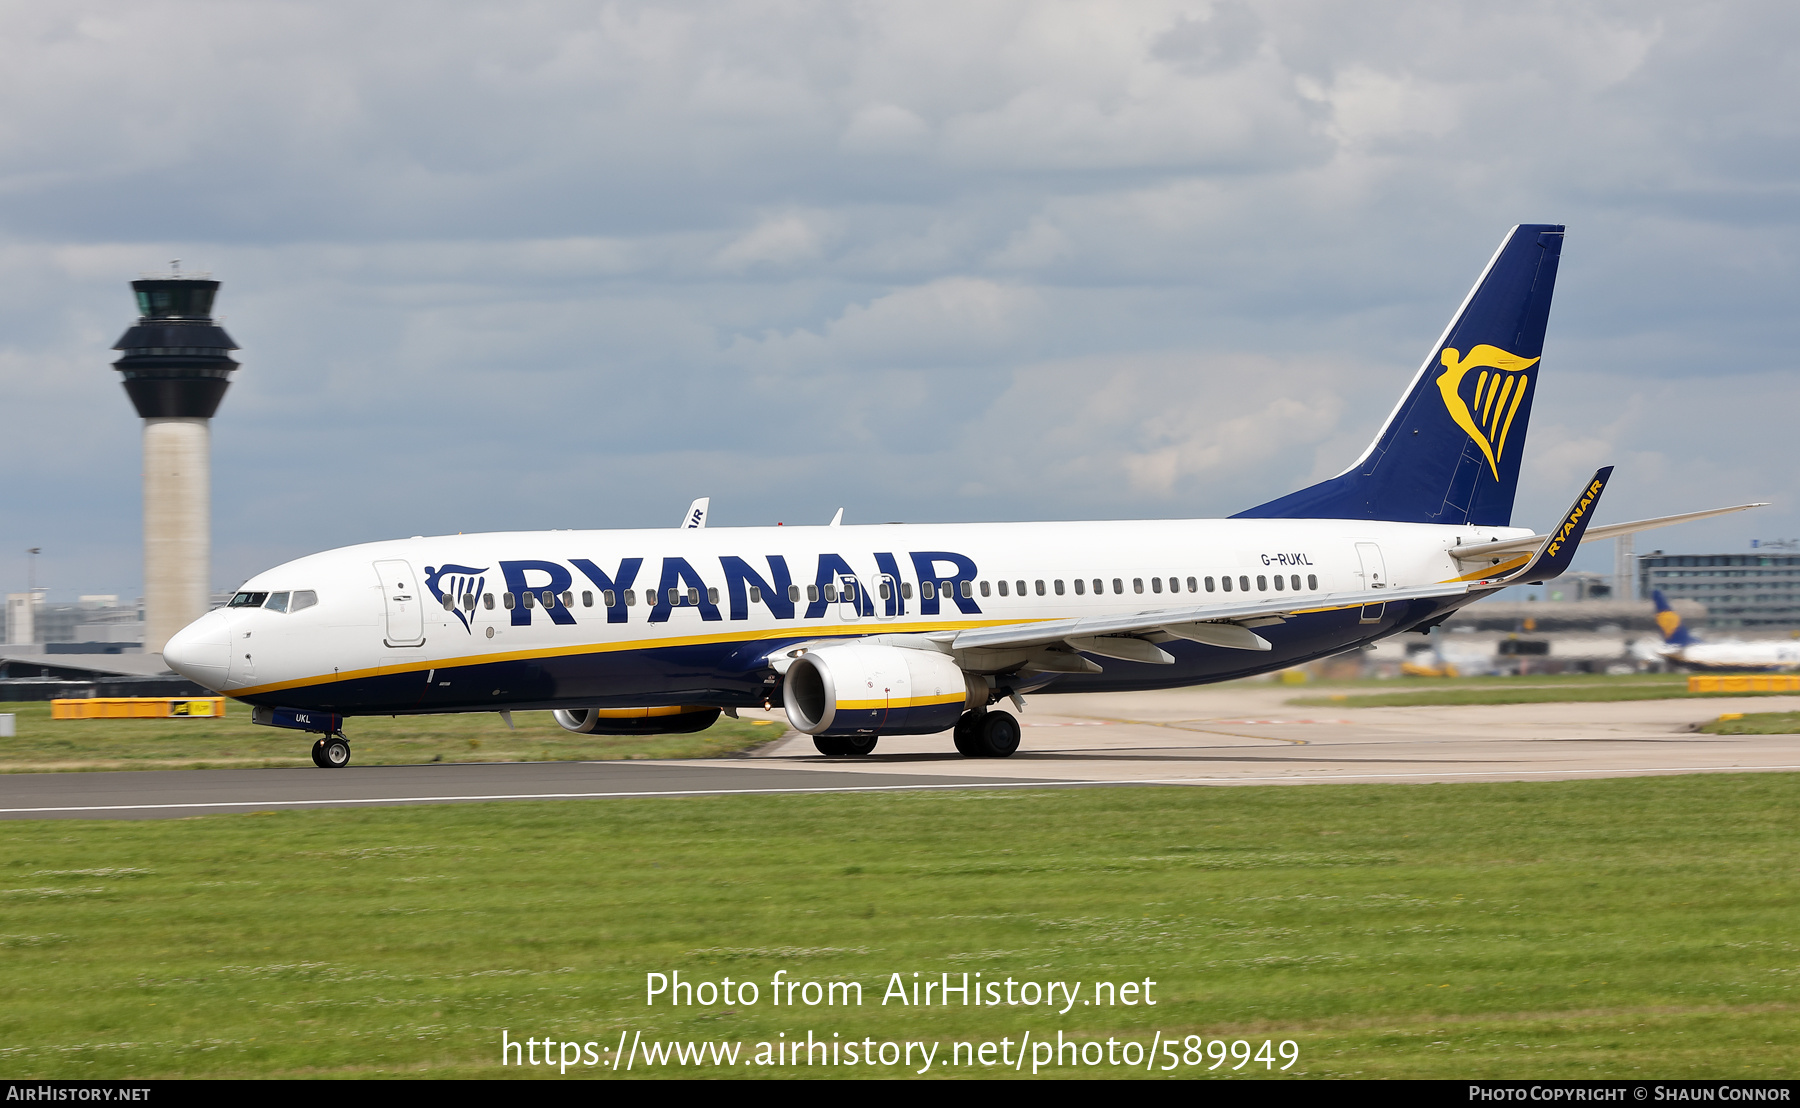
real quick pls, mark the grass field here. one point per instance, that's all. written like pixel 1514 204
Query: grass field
pixel 1756 723
pixel 233 741
pixel 1623 928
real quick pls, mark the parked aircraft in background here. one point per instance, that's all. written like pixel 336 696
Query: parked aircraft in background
pixel 1682 648
pixel 863 631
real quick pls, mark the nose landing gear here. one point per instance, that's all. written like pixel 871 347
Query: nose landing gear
pixel 331 752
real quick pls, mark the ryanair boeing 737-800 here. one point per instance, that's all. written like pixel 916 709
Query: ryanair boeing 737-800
pixel 863 631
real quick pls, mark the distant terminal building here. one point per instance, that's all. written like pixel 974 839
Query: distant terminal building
pixel 1740 591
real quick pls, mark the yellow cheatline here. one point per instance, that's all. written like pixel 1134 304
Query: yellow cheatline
pixel 798 632
pixel 900 702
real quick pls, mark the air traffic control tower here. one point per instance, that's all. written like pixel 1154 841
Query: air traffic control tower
pixel 177 366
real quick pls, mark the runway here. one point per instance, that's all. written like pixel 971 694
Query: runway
pixel 1225 735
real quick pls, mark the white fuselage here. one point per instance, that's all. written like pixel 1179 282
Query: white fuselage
pixel 381 634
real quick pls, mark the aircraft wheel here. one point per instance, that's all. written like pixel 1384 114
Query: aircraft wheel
pixel 829 745
pixel 318 753
pixel 968 728
pixel 335 751
pixel 999 735
pixel 858 745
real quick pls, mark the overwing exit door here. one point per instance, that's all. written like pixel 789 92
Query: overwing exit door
pixel 400 596
pixel 1374 575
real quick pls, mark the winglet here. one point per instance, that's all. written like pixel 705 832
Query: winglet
pixel 696 514
pixel 1553 558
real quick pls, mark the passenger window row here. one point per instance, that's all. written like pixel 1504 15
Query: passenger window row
pixel 832 593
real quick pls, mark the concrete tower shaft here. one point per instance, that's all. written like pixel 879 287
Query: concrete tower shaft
pixel 176 368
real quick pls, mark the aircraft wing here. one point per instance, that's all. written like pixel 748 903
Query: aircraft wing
pixel 1226 624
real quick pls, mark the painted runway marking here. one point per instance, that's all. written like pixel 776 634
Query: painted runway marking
pixel 1285 779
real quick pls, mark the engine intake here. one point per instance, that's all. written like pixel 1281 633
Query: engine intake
pixel 867 689
pixel 682 720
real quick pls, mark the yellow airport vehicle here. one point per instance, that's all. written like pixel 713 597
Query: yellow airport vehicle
pixel 1744 682
pixel 139 707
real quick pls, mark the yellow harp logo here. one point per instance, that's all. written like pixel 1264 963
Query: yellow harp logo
pixel 1488 415
pixel 1668 621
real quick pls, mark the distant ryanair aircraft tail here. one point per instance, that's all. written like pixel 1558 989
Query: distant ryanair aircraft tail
pixel 1668 620
pixel 1449 452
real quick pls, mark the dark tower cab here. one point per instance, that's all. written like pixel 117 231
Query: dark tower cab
pixel 177 361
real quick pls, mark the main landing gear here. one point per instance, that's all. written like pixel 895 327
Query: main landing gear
pixel 855 745
pixel 331 752
pixel 987 734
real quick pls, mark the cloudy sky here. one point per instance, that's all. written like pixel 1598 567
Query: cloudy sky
pixel 546 264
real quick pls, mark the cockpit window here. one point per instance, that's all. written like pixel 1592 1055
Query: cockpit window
pixel 248 600
pixel 278 602
pixel 304 598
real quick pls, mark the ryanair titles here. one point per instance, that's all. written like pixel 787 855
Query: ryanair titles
pixel 945 579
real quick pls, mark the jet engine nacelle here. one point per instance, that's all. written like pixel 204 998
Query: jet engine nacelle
pixel 636 721
pixel 867 689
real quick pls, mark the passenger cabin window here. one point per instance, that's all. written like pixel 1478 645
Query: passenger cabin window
pixel 849 592
pixel 1243 584
pixel 549 599
pixel 248 600
pixel 984 589
pixel 831 593
pixel 906 590
pixel 487 601
pixel 449 602
pixel 1137 584
pixel 927 590
pixel 650 597
pixel 755 595
pixel 1099 586
pixel 1080 587
pixel 886 590
pixel 1209 584
pixel 1192 588
pixel 530 599
pixel 1225 581
pixel 506 599
pixel 966 589
pixel 1155 584
pixel 1039 586
pixel 1118 586
pixel 587 598
pixel 568 600
pixel 304 598
pixel 1003 588
pixel 607 597
pixel 693 596
pixel 630 598
pixel 1312 581
pixel 1262 583
pixel 793 594
pixel 1278 582
pixel 712 595
pixel 1058 586
pixel 1294 579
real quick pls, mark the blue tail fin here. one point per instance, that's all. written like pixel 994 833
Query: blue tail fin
pixel 1450 451
pixel 1674 632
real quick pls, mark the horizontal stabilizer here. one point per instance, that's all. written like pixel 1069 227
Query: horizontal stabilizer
pixel 1595 534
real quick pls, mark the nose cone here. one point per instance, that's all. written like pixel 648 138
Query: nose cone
pixel 201 651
